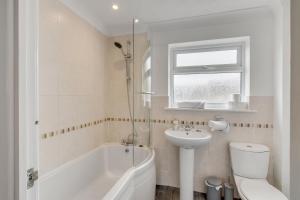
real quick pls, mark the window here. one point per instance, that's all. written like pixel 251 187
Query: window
pixel 209 71
pixel 146 79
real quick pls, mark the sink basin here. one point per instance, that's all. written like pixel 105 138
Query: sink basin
pixel 189 139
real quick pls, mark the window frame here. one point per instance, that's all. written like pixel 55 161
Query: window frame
pixel 215 45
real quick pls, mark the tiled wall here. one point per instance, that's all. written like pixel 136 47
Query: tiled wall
pixel 212 159
pixel 117 95
pixel 72 68
pixel 83 103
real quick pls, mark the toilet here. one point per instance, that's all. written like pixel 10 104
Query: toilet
pixel 250 164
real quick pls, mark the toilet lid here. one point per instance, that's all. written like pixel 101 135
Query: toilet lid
pixel 260 190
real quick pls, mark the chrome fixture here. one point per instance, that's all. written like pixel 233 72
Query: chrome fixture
pixel 188 126
pixel 126 55
pixel 129 141
pixel 128 59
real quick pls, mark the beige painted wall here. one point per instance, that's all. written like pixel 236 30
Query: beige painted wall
pixel 257 23
pixel 72 75
pixel 295 99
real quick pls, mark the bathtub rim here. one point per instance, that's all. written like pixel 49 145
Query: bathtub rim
pixel 68 164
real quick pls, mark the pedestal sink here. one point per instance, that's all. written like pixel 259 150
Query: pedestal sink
pixel 188 140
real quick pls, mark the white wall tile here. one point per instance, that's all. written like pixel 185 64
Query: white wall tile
pixel 72 66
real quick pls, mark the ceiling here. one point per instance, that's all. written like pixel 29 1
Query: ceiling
pixel 100 13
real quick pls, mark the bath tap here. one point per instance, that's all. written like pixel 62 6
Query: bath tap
pixel 125 142
pixel 128 141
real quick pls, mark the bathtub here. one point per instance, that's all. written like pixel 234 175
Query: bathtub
pixel 105 173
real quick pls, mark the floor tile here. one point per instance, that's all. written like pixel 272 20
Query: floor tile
pixel 171 193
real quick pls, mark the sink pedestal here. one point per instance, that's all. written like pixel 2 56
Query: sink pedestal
pixel 186 174
pixel 188 141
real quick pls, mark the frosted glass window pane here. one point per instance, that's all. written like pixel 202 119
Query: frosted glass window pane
pixel 207 58
pixel 147 64
pixel 147 84
pixel 212 88
pixel 147 89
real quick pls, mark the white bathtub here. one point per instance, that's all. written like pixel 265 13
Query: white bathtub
pixel 104 173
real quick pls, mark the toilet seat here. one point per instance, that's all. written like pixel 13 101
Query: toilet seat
pixel 260 190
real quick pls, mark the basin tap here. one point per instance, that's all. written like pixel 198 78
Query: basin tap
pixel 188 126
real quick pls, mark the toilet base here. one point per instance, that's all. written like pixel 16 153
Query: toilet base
pixel 249 189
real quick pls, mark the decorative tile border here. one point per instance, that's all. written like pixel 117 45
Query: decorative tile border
pixel 198 123
pixel 72 128
pixel 154 121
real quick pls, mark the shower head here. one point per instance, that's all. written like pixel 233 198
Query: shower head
pixel 127 55
pixel 118 45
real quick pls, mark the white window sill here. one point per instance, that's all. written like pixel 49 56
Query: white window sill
pixel 211 110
